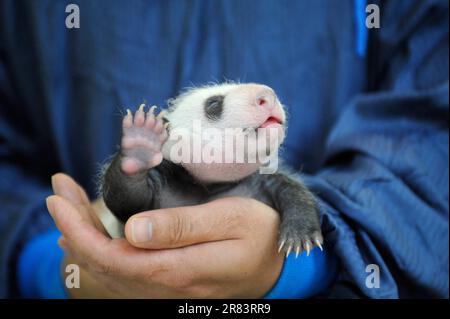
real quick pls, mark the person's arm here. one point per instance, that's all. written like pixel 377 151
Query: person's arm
pixel 384 188
pixel 23 214
pixel 301 277
pixel 223 248
pixel 39 267
pixel 383 197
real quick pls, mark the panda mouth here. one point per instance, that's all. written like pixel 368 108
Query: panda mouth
pixel 271 121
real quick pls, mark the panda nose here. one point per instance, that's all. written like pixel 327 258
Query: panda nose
pixel 265 99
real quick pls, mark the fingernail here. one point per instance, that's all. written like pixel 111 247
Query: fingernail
pixel 62 188
pixel 54 183
pixel 141 230
pixel 59 187
pixel 49 203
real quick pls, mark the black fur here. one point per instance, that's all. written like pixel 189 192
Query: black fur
pixel 170 185
pixel 214 107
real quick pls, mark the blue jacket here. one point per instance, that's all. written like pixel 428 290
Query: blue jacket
pixel 368 113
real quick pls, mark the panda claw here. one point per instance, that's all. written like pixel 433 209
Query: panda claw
pixel 307 247
pixel 288 251
pixel 281 246
pixel 160 115
pixel 127 120
pixel 297 251
pixel 319 245
pixel 152 110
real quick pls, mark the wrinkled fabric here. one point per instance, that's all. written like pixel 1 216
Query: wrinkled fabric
pixel 368 133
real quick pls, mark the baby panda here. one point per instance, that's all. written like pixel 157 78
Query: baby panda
pixel 146 173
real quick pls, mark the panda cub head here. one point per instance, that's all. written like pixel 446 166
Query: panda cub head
pixel 224 132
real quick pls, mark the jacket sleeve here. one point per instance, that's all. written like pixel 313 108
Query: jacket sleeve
pixel 384 187
pixel 22 193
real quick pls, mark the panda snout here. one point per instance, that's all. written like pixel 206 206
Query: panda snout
pixel 260 102
pixel 266 99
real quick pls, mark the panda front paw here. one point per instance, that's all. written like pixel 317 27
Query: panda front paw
pixel 142 139
pixel 298 235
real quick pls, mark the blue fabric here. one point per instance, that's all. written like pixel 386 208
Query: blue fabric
pixel 305 276
pixel 39 268
pixel 361 30
pixel 369 134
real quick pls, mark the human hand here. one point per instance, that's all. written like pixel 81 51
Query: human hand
pixel 66 187
pixel 222 249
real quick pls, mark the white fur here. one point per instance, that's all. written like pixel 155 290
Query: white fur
pixel 239 111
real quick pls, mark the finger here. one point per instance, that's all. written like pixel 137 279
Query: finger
pixel 100 253
pixel 88 241
pixel 221 219
pixel 64 186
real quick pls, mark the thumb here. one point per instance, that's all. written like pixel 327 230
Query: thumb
pixel 226 218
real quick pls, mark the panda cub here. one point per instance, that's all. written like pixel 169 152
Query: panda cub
pixel 165 160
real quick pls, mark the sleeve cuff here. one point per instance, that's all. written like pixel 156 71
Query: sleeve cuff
pixel 39 268
pixel 305 276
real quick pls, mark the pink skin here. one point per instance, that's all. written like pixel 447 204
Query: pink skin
pixel 267 100
pixel 258 106
pixel 143 136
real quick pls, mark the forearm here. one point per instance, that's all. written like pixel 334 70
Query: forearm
pixel 23 215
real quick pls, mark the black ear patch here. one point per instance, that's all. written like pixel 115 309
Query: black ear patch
pixel 214 107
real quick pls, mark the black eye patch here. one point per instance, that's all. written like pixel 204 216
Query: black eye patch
pixel 214 107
